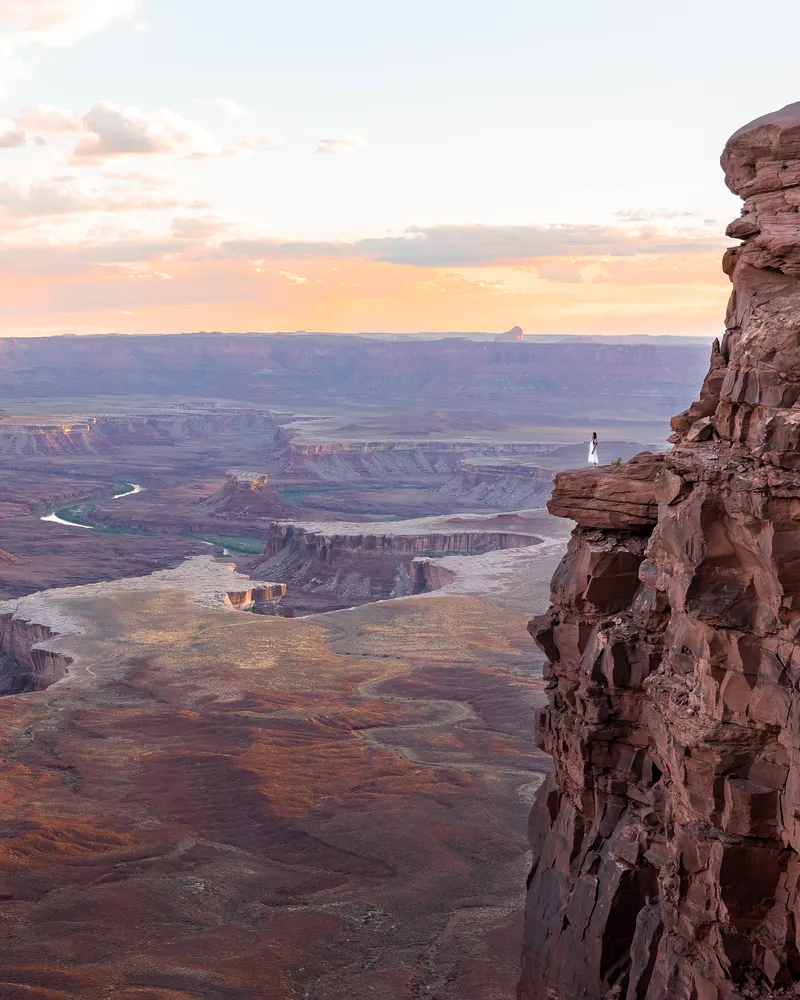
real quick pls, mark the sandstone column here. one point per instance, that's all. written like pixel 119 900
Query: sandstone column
pixel 666 842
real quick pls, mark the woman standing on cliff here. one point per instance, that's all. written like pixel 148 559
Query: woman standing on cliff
pixel 594 457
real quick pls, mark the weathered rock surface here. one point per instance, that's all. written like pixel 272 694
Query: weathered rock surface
pixel 613 496
pixel 666 842
pixel 24 664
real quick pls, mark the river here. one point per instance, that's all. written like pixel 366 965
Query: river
pixel 130 488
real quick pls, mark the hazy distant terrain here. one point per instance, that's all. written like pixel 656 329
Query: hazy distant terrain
pixel 371 386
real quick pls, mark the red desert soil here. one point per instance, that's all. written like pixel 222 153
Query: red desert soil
pixel 221 806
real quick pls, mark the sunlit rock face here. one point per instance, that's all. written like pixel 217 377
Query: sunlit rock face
pixel 666 842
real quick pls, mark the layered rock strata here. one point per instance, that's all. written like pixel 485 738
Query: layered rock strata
pixel 25 662
pixel 666 842
pixel 361 563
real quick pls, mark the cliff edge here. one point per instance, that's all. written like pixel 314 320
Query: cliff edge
pixel 666 841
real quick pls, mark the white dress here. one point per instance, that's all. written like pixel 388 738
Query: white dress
pixel 594 456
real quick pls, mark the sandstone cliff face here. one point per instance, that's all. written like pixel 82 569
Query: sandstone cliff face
pixel 24 664
pixel 371 562
pixel 667 839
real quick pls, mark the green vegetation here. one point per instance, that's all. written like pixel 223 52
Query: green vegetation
pixel 253 546
pixel 617 461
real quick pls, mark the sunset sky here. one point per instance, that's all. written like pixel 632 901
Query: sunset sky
pixel 435 165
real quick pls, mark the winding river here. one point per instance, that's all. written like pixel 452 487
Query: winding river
pixel 129 488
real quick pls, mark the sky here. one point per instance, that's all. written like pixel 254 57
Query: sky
pixel 435 165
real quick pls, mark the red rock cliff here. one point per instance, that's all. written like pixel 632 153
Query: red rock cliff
pixel 666 841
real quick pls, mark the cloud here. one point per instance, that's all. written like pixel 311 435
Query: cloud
pixel 343 145
pixel 27 26
pixel 11 136
pixel 648 215
pixel 107 132
pixel 563 271
pixel 61 22
pixel 113 131
pixel 47 120
pixel 229 108
pixel 293 279
pixel 240 148
pixel 480 245
pixel 200 227
pixel 25 205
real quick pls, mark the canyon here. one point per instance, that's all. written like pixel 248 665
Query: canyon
pixel 267 688
pixel 212 804
pixel 336 564
pixel 666 847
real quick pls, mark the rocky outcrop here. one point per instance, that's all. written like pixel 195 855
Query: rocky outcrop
pixel 666 841
pixel 244 496
pixel 613 496
pixel 25 664
pixel 428 575
pixel 261 599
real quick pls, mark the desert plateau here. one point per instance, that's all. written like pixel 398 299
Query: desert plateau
pixel 269 690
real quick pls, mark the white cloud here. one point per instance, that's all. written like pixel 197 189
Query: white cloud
pixel 240 148
pixel 11 137
pixel 343 145
pixel 41 201
pixel 60 22
pixel 113 131
pixel 294 279
pixel 47 120
pixel 107 132
pixel 650 215
pixel 26 26
pixel 221 104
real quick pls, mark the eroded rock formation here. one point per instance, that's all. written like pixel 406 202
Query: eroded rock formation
pixel 25 662
pixel 245 495
pixel 666 842
pixel 365 562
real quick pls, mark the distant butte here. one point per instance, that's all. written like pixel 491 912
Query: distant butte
pixel 514 335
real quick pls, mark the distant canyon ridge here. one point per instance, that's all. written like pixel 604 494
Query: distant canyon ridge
pixel 436 387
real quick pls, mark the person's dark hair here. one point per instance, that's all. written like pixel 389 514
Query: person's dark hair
pixel 594 435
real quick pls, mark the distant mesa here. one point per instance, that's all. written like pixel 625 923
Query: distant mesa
pixel 245 494
pixel 514 335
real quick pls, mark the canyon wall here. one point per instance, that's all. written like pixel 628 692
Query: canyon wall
pixel 24 665
pixel 372 564
pixel 91 434
pixel 666 842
